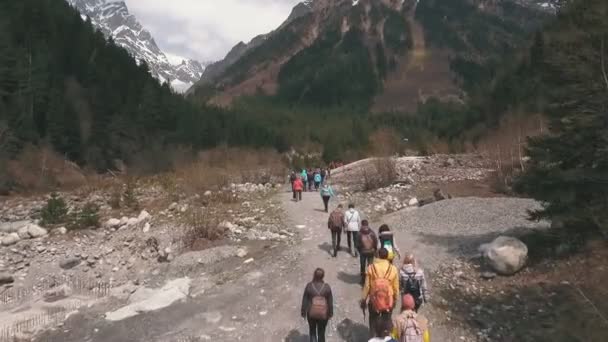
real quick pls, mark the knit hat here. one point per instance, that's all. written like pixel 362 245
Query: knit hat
pixel 408 302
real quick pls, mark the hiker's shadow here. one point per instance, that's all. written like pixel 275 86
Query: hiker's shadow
pixel 326 247
pixel 349 278
pixel 296 336
pixel 351 331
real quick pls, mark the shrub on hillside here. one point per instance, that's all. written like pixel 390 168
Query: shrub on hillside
pixel 382 173
pixel 85 217
pixel 55 211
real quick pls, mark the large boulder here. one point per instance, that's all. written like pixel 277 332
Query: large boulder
pixel 35 231
pixel 10 239
pixel 505 255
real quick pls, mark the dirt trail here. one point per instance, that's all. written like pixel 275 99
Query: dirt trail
pixel 258 302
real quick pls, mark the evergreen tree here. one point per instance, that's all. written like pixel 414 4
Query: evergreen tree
pixel 569 167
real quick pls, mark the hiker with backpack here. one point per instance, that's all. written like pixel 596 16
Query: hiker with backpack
pixel 408 326
pixel 317 306
pixel 352 221
pixel 311 179
pixel 381 289
pixel 387 241
pixel 382 331
pixel 304 176
pixel 317 179
pixel 326 194
pixel 368 246
pixel 298 185
pixel 336 225
pixel 413 281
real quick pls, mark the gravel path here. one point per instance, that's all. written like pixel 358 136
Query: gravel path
pixel 453 228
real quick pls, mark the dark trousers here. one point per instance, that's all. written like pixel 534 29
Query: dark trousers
pixel 352 236
pixel 326 202
pixel 336 238
pixel 305 186
pixel 317 185
pixel 297 195
pixel 366 260
pixel 375 317
pixel 317 330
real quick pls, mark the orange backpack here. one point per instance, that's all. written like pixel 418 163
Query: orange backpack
pixel 382 296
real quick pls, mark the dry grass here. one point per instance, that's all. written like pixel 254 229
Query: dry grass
pixel 218 168
pixel 382 173
pixel 385 142
pixel 201 228
pixel 39 169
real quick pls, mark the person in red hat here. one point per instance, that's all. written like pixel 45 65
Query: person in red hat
pixel 408 326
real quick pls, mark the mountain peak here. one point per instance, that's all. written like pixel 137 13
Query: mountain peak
pixel 113 19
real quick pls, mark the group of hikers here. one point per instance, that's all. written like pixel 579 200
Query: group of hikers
pixel 384 284
pixel 312 180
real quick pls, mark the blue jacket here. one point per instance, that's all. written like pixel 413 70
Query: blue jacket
pixel 327 191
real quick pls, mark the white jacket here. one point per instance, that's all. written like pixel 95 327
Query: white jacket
pixel 352 220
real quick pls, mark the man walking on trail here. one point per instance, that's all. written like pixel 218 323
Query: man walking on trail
pixel 408 326
pixel 413 282
pixel 311 179
pixel 381 289
pixel 336 225
pixel 318 180
pixel 368 246
pixel 326 194
pixel 298 185
pixel 352 221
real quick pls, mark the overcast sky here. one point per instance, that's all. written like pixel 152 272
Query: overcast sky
pixel 207 29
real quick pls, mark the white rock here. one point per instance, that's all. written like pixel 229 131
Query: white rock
pixel 12 227
pixel 123 221
pixel 144 215
pixel 132 221
pixel 112 223
pixel 248 261
pixel 413 202
pixel 506 255
pixel 36 231
pixel 241 253
pixel 173 206
pixel 23 234
pixel 208 193
pixel 62 230
pixel 10 239
pixel 146 227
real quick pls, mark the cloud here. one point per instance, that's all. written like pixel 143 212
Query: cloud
pixel 207 29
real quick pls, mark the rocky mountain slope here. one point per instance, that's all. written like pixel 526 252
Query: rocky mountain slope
pixel 390 55
pixel 114 20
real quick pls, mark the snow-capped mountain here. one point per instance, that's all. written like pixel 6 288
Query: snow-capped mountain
pixel 114 20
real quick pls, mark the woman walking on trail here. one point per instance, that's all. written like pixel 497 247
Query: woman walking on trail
pixel 304 176
pixel 298 185
pixel 387 241
pixel 326 194
pixel 352 221
pixel 317 306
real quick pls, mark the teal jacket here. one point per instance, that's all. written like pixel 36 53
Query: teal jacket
pixel 327 191
pixel 304 176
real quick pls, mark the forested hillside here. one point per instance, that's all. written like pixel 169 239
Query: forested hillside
pixel 62 84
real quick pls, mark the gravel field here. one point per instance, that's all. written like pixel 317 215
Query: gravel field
pixel 454 228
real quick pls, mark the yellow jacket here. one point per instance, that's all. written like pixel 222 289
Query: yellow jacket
pixel 381 267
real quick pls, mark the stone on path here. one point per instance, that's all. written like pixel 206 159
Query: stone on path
pixel 69 263
pixel 505 255
pixel 6 278
pixel 10 239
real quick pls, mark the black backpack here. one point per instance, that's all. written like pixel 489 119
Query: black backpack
pixel 411 285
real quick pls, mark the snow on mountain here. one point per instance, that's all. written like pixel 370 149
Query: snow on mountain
pixel 114 20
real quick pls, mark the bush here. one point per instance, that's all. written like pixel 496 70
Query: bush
pixel 55 211
pixel 85 217
pixel 200 228
pixel 382 173
pixel 129 195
